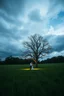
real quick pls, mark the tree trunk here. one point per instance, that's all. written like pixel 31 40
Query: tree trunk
pixel 36 64
pixel 36 61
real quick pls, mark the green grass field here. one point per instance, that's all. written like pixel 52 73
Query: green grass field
pixel 47 81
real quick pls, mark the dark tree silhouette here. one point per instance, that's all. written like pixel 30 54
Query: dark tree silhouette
pixel 36 47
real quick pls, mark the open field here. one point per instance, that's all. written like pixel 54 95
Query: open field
pixel 47 81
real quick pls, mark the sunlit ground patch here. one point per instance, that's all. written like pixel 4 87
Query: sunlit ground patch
pixel 33 69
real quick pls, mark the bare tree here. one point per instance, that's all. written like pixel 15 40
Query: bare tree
pixel 36 47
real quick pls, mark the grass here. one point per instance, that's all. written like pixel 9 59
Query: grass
pixel 48 80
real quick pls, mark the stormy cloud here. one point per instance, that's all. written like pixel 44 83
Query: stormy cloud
pixel 22 18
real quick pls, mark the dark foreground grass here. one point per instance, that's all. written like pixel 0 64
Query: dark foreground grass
pixel 49 81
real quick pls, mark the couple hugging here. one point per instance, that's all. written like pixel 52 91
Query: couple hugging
pixel 31 66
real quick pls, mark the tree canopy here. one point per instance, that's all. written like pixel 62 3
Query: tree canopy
pixel 36 47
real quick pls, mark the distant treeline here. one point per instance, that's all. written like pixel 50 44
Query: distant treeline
pixel 15 60
pixel 59 59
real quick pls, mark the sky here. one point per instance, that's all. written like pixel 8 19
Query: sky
pixel 20 19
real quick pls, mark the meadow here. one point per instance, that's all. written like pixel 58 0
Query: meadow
pixel 48 80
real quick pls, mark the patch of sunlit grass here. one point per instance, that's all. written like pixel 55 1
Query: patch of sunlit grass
pixel 33 69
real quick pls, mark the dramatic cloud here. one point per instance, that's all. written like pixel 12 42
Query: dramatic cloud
pixel 35 16
pixel 22 18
